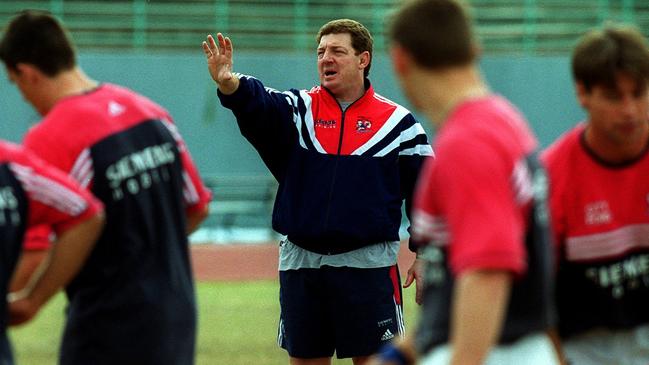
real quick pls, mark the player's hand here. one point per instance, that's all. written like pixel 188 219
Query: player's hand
pixel 21 308
pixel 416 274
pixel 398 352
pixel 377 360
pixel 219 62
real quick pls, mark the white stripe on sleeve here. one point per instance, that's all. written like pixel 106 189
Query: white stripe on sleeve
pixel 48 191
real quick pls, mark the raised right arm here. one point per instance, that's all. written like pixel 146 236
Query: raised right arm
pixel 266 117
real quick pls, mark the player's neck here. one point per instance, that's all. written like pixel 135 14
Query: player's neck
pixel 453 87
pixel 66 84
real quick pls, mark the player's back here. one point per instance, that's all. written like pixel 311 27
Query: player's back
pixel 133 301
pixel 485 160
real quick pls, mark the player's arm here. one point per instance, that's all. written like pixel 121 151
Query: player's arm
pixel 57 201
pixel 36 245
pixel 479 304
pixel 399 352
pixel 28 263
pixel 196 217
pixel 67 256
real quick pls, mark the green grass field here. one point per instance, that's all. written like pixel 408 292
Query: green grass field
pixel 237 326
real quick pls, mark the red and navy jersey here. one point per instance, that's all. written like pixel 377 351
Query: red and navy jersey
pixel 343 174
pixel 481 205
pixel 125 149
pixel 600 215
pixel 32 193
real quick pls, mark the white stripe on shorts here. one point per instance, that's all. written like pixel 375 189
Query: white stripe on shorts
pixel 399 316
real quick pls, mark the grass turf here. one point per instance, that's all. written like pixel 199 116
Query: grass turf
pixel 237 326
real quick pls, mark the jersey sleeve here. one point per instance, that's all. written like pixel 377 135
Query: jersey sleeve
pixel 266 118
pixel 55 200
pixel 485 224
pixel 196 195
pixel 37 238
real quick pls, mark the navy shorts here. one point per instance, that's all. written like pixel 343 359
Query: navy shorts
pixel 347 310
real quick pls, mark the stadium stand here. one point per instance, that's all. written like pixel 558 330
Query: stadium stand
pixel 242 200
pixel 527 27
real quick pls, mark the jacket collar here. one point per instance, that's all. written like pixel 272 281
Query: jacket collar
pixel 368 95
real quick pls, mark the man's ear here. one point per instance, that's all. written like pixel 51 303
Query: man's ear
pixel 364 59
pixel 582 94
pixel 28 73
pixel 400 59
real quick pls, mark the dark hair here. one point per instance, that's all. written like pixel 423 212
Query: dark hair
pixel 361 38
pixel 37 38
pixel 601 54
pixel 437 33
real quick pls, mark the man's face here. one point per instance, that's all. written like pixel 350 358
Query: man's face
pixel 621 115
pixel 339 67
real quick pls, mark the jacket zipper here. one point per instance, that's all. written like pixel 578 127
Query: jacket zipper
pixel 333 177
pixel 340 146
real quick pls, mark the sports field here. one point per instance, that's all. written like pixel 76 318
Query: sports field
pixel 237 317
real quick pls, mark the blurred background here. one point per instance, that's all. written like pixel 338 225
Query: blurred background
pixel 154 47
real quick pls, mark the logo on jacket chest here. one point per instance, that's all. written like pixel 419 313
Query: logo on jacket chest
pixel 325 123
pixel 363 125
pixel 597 213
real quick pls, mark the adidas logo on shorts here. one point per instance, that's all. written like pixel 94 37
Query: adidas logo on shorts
pixel 387 335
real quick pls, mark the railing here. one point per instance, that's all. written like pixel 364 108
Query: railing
pixel 241 201
pixel 504 26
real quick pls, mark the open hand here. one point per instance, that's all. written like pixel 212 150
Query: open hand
pixel 219 58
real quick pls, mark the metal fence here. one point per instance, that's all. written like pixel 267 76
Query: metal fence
pixel 528 27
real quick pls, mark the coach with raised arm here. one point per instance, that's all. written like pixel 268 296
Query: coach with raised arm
pixel 345 159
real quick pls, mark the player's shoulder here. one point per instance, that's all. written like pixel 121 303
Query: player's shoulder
pixel 466 147
pixel 119 93
pixel 107 102
pixel 15 153
pixel 316 90
pixel 378 98
pixel 562 149
pixel 77 107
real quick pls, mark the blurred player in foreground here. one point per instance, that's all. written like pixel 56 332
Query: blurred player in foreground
pixel 599 194
pixel 345 159
pixel 32 193
pixel 133 302
pixel 480 203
